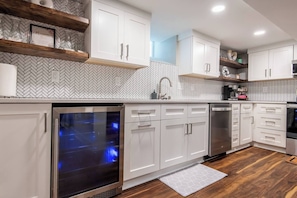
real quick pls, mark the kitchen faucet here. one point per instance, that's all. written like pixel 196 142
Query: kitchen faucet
pixel 160 96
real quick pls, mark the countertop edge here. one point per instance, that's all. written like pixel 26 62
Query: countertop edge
pixel 126 101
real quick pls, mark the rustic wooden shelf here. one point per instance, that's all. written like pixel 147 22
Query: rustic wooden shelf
pixel 37 50
pixel 233 64
pixel 23 9
pixel 226 79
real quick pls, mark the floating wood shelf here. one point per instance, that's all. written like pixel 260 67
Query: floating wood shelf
pixel 23 9
pixel 226 79
pixel 233 64
pixel 46 52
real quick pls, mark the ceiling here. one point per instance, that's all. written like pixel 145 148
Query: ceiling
pixel 234 27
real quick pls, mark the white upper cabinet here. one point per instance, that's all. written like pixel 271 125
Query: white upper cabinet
pixel 198 55
pixel 271 64
pixel 258 64
pixel 118 35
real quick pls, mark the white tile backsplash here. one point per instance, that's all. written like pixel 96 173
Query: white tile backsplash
pixel 277 90
pixel 81 80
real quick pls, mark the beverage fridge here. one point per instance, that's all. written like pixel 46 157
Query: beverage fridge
pixel 87 151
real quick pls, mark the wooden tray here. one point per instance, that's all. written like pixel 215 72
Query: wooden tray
pixel 292 160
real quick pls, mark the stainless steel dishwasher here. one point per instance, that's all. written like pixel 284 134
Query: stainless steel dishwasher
pixel 219 129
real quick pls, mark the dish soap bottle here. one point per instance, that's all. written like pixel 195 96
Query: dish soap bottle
pixel 154 95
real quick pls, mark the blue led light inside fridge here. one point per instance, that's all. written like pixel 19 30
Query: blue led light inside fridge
pixel 88 150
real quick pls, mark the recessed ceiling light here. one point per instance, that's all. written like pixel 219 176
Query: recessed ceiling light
pixel 260 32
pixel 218 8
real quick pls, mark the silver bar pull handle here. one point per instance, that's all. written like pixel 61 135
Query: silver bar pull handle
pixel 122 48
pixel 208 67
pixel 187 129
pixel 45 122
pixel 191 128
pixel 253 120
pixel 221 109
pixel 127 46
pixel 269 72
pixel 56 159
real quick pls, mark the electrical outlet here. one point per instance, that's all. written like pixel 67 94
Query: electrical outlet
pixel 118 81
pixel 265 89
pixel 55 76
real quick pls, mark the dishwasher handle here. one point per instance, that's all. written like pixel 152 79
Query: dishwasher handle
pixel 221 109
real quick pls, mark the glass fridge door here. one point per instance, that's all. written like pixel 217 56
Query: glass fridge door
pixel 88 148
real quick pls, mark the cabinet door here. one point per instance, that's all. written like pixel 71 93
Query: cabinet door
pixel 25 150
pixel 137 40
pixel 280 63
pixel 258 66
pixel 199 64
pixel 107 30
pixel 197 137
pixel 173 142
pixel 142 149
pixel 212 58
pixel 245 128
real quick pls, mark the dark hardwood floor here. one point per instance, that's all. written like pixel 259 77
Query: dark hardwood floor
pixel 252 172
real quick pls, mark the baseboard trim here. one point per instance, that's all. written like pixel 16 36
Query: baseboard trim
pixel 155 175
pixel 269 147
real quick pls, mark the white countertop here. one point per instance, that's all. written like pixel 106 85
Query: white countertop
pixel 127 101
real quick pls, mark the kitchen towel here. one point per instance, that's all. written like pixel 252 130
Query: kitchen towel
pixel 192 179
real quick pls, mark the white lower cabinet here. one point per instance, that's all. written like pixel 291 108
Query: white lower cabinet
pixel 198 138
pixel 25 150
pixel 270 121
pixel 235 125
pixel 142 148
pixel 184 133
pixel 173 142
pixel 246 123
pixel 142 140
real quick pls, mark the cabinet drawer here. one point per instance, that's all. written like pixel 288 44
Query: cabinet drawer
pixel 172 111
pixel 235 108
pixel 142 113
pixel 235 122
pixel 198 110
pixel 246 108
pixel 270 109
pixel 275 138
pixel 235 138
pixel 275 122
